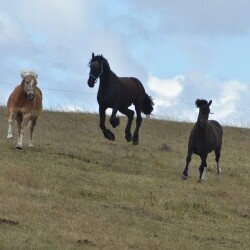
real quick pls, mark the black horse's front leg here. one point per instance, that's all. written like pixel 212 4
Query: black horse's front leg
pixel 114 121
pixel 202 168
pixel 106 132
pixel 185 171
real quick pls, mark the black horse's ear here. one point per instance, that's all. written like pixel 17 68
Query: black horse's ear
pixel 210 102
pixel 93 55
pixel 101 56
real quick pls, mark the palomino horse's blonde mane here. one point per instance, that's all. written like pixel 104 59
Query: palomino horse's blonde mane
pixel 28 72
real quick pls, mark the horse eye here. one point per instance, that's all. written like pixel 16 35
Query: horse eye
pixel 27 82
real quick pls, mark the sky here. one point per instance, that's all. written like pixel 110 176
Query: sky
pixel 180 50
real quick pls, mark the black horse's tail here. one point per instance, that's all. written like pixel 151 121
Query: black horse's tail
pixel 148 105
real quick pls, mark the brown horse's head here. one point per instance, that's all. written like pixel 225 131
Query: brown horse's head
pixel 96 69
pixel 204 112
pixel 29 83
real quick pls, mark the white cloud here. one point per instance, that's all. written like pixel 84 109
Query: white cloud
pixel 176 97
pixel 166 88
pixel 200 17
pixel 232 96
pixel 9 30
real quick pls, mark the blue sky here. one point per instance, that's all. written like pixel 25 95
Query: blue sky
pixel 181 50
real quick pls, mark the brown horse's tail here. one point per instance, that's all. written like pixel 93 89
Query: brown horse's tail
pixel 148 105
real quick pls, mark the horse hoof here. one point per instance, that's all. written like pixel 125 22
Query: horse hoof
pixel 18 146
pixel 115 122
pixel 135 142
pixel 184 177
pixel 30 145
pixel 128 138
pixel 201 180
pixel 9 137
pixel 109 135
pixel 219 171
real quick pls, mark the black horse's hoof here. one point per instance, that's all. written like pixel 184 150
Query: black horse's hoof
pixel 201 181
pixel 184 177
pixel 128 137
pixel 135 139
pixel 115 122
pixel 109 135
pixel 135 142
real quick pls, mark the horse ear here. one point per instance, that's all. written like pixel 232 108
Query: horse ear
pixel 210 102
pixel 93 55
pixel 22 74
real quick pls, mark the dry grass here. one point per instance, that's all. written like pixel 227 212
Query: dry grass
pixel 75 189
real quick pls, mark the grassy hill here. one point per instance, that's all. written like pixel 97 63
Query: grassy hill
pixel 75 189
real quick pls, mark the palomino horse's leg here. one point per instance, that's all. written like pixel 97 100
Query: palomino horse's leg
pixel 32 125
pixel 217 159
pixel 185 171
pixel 138 124
pixel 21 123
pixel 114 121
pixel 106 132
pixel 130 114
pixel 203 168
pixel 10 128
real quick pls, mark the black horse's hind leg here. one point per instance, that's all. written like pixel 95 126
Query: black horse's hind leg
pixel 114 121
pixel 106 132
pixel 202 168
pixel 217 159
pixel 135 139
pixel 185 171
pixel 130 114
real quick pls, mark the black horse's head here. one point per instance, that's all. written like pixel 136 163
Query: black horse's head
pixel 96 69
pixel 204 112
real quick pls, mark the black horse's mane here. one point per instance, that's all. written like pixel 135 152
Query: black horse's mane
pixel 101 59
pixel 200 102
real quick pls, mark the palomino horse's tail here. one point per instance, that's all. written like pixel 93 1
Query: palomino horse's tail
pixel 148 105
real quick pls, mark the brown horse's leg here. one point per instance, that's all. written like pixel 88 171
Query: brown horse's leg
pixel 135 139
pixel 203 168
pixel 106 132
pixel 21 123
pixel 31 127
pixel 130 114
pixel 10 122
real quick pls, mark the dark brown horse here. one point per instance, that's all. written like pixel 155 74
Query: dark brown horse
pixel 24 105
pixel 118 93
pixel 205 137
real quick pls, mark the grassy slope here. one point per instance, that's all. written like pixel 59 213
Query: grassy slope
pixel 77 189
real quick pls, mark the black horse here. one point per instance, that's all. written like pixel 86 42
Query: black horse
pixel 205 137
pixel 118 93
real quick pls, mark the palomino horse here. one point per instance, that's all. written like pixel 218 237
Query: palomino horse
pixel 118 93
pixel 205 137
pixel 24 105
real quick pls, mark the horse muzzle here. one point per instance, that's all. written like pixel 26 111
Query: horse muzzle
pixel 91 83
pixel 31 95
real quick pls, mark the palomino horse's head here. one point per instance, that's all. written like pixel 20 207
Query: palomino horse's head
pixel 96 69
pixel 29 83
pixel 204 112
